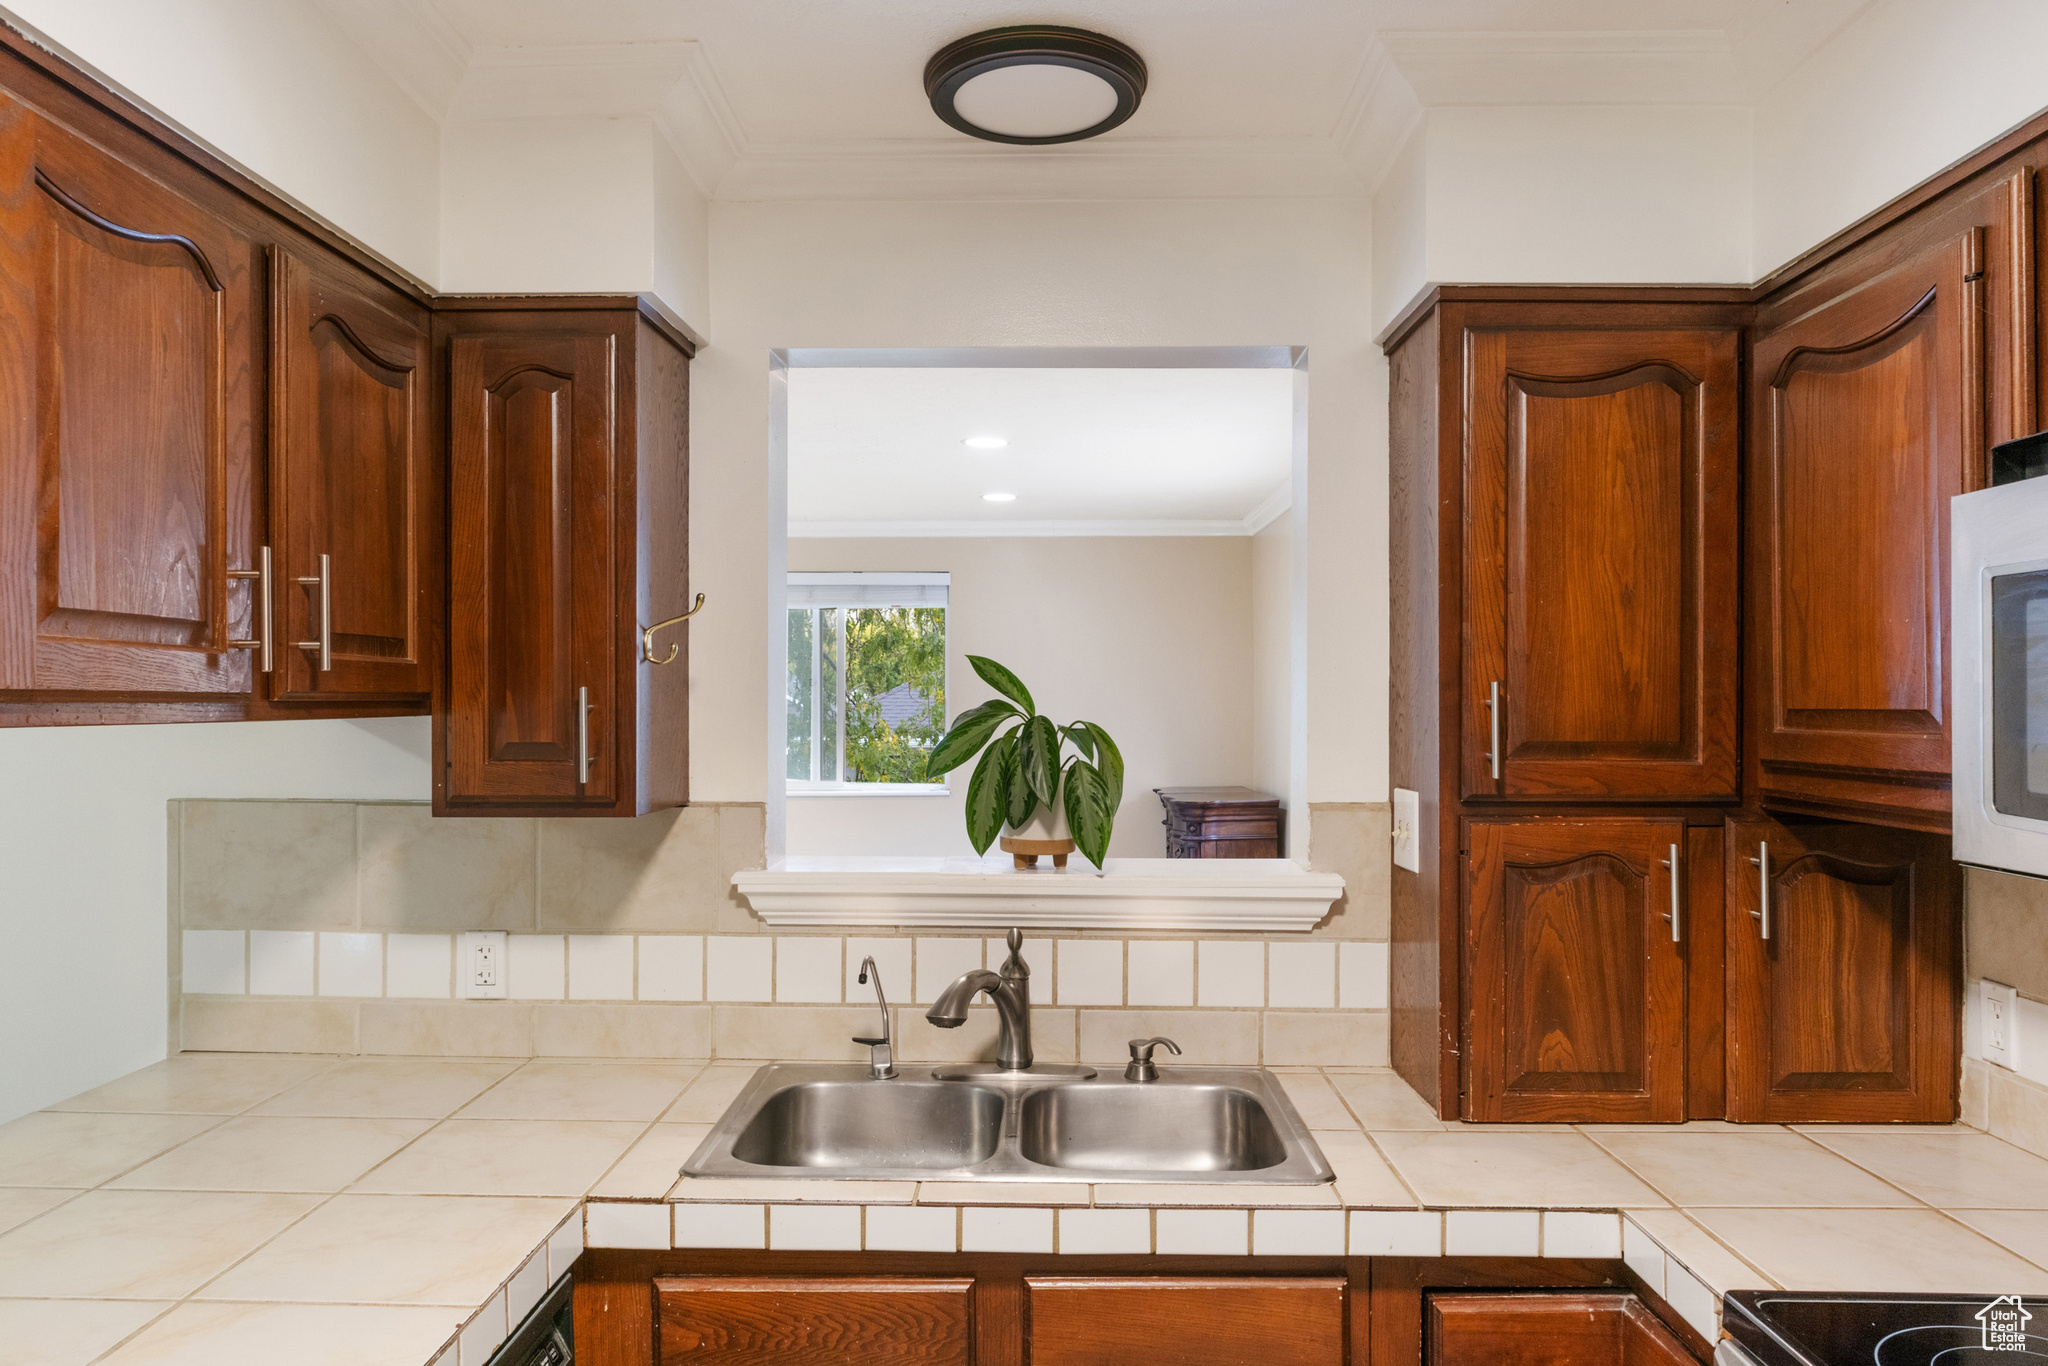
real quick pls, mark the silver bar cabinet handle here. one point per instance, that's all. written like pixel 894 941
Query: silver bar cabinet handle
pixel 1672 864
pixel 582 736
pixel 1763 888
pixel 261 575
pixel 324 646
pixel 1493 725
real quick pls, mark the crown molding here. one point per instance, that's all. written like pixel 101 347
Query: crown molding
pixel 1670 66
pixel 1270 509
pixel 992 530
pixel 1111 168
pixel 1379 114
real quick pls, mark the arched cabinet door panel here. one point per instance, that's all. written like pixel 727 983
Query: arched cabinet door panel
pixel 1577 1007
pixel 1868 417
pixel 1600 564
pixel 1842 951
pixel 353 488
pixel 126 461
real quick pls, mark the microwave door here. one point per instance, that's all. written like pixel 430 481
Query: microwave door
pixel 2018 730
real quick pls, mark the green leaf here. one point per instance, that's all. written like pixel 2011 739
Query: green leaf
pixel 1003 681
pixel 1090 811
pixel 1022 800
pixel 970 732
pixel 986 799
pixel 1082 740
pixel 1038 757
pixel 1108 759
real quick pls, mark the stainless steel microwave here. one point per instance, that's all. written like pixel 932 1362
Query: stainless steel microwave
pixel 1999 593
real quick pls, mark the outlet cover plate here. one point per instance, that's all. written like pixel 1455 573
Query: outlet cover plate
pixel 1995 1035
pixel 484 966
pixel 1407 830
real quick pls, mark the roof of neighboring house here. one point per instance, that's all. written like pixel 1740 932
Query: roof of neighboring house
pixel 901 703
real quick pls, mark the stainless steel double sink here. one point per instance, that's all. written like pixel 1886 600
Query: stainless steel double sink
pixel 1207 1124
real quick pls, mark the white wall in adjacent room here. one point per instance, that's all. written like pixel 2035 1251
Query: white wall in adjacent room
pixel 1271 272
pixel 275 87
pixel 1149 636
pixel 83 871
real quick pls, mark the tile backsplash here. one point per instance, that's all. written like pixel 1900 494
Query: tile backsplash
pixel 337 927
pixel 2005 939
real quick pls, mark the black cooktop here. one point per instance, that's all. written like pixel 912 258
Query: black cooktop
pixel 1785 1328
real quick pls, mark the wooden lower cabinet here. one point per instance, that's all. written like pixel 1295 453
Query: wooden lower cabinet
pixel 1577 980
pixel 1547 1328
pixel 1184 1320
pixel 1842 974
pixel 734 1307
pixel 853 1320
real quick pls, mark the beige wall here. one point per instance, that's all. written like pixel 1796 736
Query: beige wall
pixel 1151 636
pixel 2006 941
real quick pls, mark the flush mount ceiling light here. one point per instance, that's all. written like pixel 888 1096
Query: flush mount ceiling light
pixel 985 443
pixel 998 497
pixel 1035 84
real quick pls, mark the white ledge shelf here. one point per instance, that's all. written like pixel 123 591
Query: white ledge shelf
pixel 988 893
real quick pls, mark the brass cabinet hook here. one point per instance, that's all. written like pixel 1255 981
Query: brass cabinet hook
pixel 647 636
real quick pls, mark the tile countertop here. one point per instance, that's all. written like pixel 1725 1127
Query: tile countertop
pixel 405 1211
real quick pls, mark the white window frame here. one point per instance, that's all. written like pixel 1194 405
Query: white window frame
pixel 812 590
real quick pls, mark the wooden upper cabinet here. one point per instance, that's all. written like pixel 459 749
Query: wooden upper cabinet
pixel 568 537
pixel 1184 1320
pixel 354 511
pixel 1600 547
pixel 801 1321
pixel 1577 979
pixel 126 461
pixel 1842 974
pixel 1868 417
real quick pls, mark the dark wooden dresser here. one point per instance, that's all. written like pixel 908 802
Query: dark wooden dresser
pixel 1222 822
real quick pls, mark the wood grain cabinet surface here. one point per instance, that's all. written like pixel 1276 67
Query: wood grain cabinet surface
pixel 813 1321
pixel 1843 943
pixel 1185 1320
pixel 1600 544
pixel 127 461
pixel 355 513
pixel 1548 1328
pixel 1867 419
pixel 1578 1006
pixel 568 536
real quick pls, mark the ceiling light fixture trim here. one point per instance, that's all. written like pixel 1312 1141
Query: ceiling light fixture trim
pixel 1112 63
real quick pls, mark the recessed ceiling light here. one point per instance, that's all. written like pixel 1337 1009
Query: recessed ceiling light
pixel 1035 84
pixel 985 443
pixel 998 497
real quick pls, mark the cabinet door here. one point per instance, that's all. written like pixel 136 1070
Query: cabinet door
pixel 794 1321
pixel 125 459
pixel 351 502
pixel 1577 986
pixel 533 621
pixel 1600 570
pixel 1868 419
pixel 1185 1320
pixel 1842 974
pixel 1548 1328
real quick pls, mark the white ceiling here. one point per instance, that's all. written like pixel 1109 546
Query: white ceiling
pixel 810 98
pixel 1185 451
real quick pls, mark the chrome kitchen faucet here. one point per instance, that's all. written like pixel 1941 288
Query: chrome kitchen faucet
pixel 1011 992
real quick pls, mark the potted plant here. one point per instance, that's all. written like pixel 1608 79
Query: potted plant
pixel 1051 801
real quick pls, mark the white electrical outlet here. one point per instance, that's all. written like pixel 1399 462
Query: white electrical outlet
pixel 1998 1020
pixel 483 965
pixel 1407 830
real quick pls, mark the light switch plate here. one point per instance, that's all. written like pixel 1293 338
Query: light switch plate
pixel 1407 830
pixel 483 968
pixel 1997 1022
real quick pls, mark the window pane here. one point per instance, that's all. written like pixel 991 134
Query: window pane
pixel 895 691
pixel 829 622
pixel 802 642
